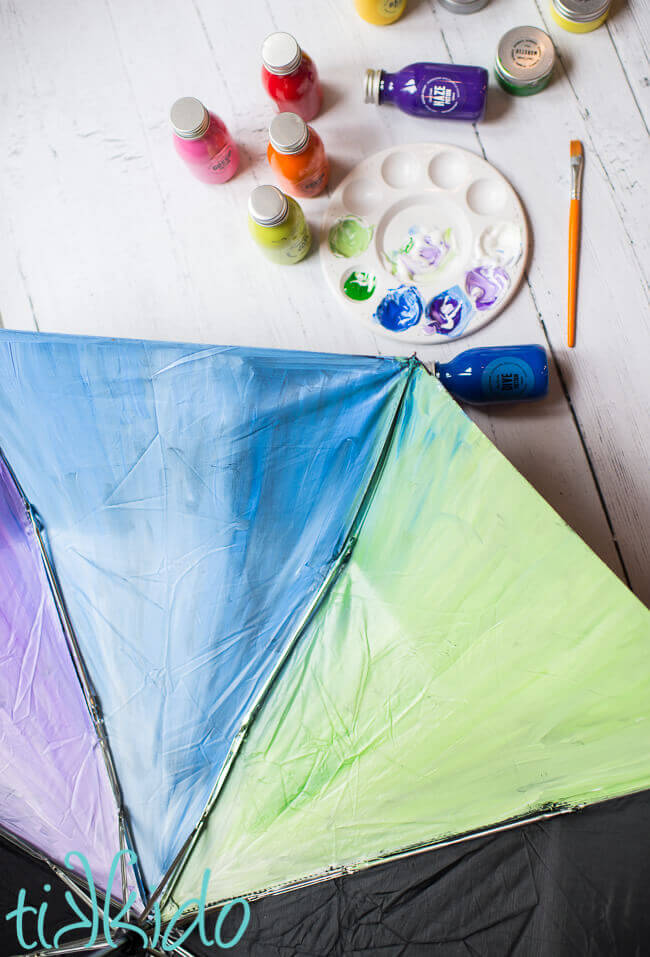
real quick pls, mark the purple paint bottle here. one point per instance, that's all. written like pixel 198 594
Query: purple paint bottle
pixel 431 89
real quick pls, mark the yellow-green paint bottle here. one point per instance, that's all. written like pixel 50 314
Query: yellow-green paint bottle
pixel 278 226
pixel 580 16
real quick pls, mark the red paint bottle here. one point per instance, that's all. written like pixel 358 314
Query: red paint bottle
pixel 290 78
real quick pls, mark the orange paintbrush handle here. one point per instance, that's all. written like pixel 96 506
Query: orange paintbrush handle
pixel 574 230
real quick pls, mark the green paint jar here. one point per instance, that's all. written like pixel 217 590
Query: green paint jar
pixel 524 61
pixel 277 224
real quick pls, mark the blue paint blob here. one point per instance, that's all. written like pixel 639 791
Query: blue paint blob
pixel 400 309
pixel 449 312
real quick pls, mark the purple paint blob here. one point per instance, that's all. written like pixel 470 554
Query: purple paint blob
pixel 487 285
pixel 448 313
pixel 400 309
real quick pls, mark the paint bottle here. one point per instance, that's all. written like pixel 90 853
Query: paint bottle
pixel 524 61
pixel 431 89
pixel 297 156
pixel 580 16
pixel 496 374
pixel 203 141
pixel 380 12
pixel 464 6
pixel 277 224
pixel 290 77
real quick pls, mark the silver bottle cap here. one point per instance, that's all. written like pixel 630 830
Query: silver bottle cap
pixel 371 82
pixel 281 53
pixel 189 118
pixel 288 133
pixel 464 6
pixel 268 205
pixel 526 56
pixel 582 11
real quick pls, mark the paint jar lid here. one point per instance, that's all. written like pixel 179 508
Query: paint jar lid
pixel 582 11
pixel 281 53
pixel 525 56
pixel 268 205
pixel 464 6
pixel 288 133
pixel 371 82
pixel 189 118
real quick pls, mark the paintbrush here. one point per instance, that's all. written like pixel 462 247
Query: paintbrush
pixel 577 160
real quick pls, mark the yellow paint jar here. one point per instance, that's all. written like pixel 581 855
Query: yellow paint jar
pixel 580 16
pixel 380 12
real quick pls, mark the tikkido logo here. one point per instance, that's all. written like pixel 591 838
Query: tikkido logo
pixel 114 926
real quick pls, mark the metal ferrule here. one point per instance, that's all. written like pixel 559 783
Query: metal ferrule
pixel 576 176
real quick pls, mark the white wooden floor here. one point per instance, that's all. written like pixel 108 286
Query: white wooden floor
pixel 102 231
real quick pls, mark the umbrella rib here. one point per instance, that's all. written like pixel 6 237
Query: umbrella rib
pixel 166 884
pixel 92 703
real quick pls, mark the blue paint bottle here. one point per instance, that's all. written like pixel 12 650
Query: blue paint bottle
pixel 496 374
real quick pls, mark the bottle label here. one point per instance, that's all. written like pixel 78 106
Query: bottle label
pixel 439 94
pixel 526 53
pixel 221 161
pixel 313 184
pixel 507 377
pixel 293 248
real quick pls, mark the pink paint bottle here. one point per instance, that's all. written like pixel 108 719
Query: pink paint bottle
pixel 203 141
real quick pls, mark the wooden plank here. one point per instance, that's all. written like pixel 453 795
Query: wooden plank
pixel 528 139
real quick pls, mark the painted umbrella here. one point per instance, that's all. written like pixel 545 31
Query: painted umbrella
pixel 269 618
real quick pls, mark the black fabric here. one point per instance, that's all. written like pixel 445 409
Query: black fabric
pixel 572 886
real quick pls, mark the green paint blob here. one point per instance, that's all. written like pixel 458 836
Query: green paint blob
pixel 359 285
pixel 350 236
pixel 471 661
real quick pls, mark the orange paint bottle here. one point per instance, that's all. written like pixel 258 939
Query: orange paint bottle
pixel 297 156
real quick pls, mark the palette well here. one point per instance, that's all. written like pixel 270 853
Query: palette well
pixel 425 243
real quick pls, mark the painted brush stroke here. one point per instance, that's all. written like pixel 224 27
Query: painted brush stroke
pixel 54 788
pixel 195 499
pixel 416 708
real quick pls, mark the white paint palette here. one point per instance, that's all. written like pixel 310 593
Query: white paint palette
pixel 425 242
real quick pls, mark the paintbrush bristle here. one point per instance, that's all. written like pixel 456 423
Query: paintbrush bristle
pixel 576 148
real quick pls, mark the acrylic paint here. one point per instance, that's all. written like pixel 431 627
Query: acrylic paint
pixel 486 285
pixel 277 224
pixel 350 236
pixel 290 77
pixel 496 374
pixel 203 141
pixel 297 156
pixel 441 90
pixel 524 61
pixel 400 309
pixel 423 252
pixel 380 12
pixel 580 16
pixel 448 313
pixel 464 6
pixel 472 662
pixel 359 285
